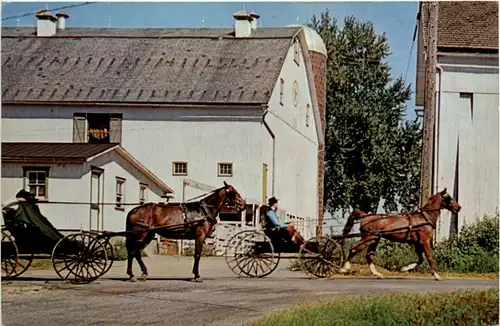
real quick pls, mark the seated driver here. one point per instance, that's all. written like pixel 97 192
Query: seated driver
pixel 273 218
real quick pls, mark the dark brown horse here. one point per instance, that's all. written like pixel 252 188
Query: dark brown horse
pixel 189 221
pixel 414 228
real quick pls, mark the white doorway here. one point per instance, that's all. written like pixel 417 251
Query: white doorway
pixel 96 193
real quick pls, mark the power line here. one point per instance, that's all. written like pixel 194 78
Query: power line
pixel 54 9
pixel 411 48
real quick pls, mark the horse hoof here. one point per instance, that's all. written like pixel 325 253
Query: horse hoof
pixel 143 278
pixel 437 277
pixel 197 280
pixel 132 279
pixel 343 271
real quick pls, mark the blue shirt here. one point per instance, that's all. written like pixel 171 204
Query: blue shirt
pixel 274 219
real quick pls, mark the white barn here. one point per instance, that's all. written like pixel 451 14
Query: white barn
pixel 242 105
pixel 80 178
pixel 466 150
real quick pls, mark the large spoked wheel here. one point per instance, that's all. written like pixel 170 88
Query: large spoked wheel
pixel 79 258
pixel 251 253
pixel 110 254
pixel 10 256
pixel 321 257
pixel 14 264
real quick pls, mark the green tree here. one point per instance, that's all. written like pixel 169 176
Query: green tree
pixel 372 153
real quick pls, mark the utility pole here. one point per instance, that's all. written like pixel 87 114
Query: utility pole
pixel 429 102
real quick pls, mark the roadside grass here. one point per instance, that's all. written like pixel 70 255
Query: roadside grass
pixel 453 308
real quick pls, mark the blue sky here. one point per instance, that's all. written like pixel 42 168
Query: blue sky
pixel 396 19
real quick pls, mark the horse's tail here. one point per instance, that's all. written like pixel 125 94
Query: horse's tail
pixel 355 215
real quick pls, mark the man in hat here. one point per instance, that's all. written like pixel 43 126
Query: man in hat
pixel 288 228
pixel 271 214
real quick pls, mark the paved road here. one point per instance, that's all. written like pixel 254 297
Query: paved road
pixel 222 299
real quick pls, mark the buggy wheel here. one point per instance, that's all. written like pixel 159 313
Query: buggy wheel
pixel 321 257
pixel 251 253
pixel 10 256
pixel 110 254
pixel 79 258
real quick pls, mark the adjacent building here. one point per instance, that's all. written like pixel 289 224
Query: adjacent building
pixel 466 143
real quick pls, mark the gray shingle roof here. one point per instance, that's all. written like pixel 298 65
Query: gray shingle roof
pixel 142 65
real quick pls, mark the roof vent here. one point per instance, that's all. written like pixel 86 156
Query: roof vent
pixel 242 24
pixel 254 16
pixel 61 18
pixel 46 23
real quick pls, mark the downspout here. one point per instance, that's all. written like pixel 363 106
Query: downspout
pixel 274 148
pixel 435 178
pixel 439 68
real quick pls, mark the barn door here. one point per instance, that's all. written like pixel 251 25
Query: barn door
pixel 96 184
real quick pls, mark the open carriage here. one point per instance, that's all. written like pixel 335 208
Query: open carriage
pixel 27 235
pixel 257 253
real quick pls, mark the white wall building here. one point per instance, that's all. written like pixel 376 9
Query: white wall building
pixel 244 106
pixel 466 150
pixel 82 179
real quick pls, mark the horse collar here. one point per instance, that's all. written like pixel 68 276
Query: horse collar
pixel 428 218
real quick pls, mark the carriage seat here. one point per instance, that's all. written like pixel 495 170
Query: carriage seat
pixel 280 238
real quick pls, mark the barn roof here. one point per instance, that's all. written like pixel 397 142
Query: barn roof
pixel 71 153
pixel 178 65
pixel 51 152
pixel 464 24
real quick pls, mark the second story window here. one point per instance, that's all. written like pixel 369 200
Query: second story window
pixel 179 168
pixel 120 193
pixel 97 128
pixel 225 169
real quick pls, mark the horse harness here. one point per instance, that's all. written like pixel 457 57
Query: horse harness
pixel 410 227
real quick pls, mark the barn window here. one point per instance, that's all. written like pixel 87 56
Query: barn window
pixel 296 52
pixel 225 169
pixel 97 128
pixel 470 102
pixel 120 193
pixel 179 168
pixel 307 115
pixel 282 89
pixel 36 182
pixel 143 193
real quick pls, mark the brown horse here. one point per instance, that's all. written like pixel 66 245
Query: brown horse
pixel 414 228
pixel 189 221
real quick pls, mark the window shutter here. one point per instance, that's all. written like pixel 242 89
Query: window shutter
pixel 115 130
pixel 79 130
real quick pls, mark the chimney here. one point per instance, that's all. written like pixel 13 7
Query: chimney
pixel 61 17
pixel 254 16
pixel 242 24
pixel 46 23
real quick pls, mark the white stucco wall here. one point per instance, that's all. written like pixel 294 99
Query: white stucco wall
pixel 71 183
pixel 475 133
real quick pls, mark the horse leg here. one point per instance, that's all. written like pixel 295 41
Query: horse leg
pixel 130 260
pixel 138 254
pixel 370 257
pixel 430 260
pixel 420 252
pixel 199 242
pixel 359 246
